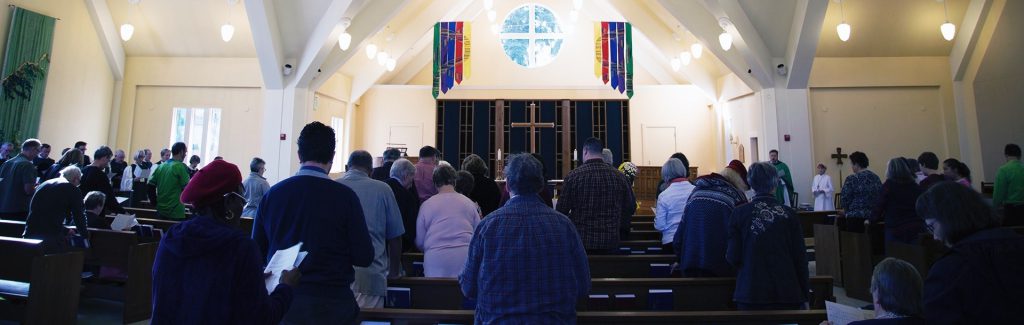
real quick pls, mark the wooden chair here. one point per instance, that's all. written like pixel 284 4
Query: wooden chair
pixel 38 288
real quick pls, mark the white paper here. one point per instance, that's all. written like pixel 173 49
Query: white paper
pixel 120 199
pixel 123 222
pixel 285 259
pixel 842 314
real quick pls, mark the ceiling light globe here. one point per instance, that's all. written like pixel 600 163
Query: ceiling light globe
pixel 843 29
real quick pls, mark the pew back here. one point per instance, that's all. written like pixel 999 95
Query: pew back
pixel 801 317
pixel 38 288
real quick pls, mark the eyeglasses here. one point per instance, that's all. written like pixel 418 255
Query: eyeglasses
pixel 235 195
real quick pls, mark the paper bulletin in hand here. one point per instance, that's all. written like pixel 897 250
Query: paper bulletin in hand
pixel 840 314
pixel 123 222
pixel 285 259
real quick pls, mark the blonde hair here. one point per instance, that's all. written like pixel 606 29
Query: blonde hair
pixel 735 179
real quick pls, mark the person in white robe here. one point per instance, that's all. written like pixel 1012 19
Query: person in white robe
pixel 822 189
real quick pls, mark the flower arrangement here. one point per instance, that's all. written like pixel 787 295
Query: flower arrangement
pixel 629 169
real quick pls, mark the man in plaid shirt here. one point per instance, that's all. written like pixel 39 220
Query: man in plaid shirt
pixel 598 200
pixel 526 265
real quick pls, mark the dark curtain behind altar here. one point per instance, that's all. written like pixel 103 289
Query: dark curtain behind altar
pixel 482 127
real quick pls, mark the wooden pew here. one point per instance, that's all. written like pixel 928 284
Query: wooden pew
pixel 142 213
pixel 123 250
pixel 601 266
pixel 859 252
pixel 644 235
pixel 826 252
pixel 648 217
pixel 11 228
pixel 688 293
pixel 419 316
pixel 37 288
pixel 810 218
pixel 642 225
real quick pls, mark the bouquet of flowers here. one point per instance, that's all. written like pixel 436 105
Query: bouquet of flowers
pixel 629 169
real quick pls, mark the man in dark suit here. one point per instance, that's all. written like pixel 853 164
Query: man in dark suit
pixel 400 181
pixel 383 172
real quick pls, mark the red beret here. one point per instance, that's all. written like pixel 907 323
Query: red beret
pixel 738 167
pixel 211 183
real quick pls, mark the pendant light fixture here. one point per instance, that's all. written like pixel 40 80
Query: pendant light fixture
pixel 948 29
pixel 675 64
pixel 685 57
pixel 371 51
pixel 227 31
pixel 345 39
pixel 697 49
pixel 843 29
pixel 725 39
pixel 127 29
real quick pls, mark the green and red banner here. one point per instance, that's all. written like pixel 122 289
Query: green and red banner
pixel 613 55
pixel 451 55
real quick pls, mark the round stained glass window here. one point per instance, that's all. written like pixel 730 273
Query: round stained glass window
pixel 531 35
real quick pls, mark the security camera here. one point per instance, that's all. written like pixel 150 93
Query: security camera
pixel 287 69
pixel 781 69
pixel 749 71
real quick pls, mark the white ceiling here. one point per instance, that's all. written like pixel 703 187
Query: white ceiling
pixel 184 28
pixel 774 21
pixel 885 28
pixel 297 17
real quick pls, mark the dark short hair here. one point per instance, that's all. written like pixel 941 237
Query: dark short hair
pixel 959 167
pixel 194 159
pixel 465 182
pixel 444 175
pixel 44 146
pixel 913 165
pixel 860 159
pixel 392 154
pixel 428 151
pixel 316 143
pixel 682 159
pixel 254 165
pixel 898 286
pixel 94 199
pixel 928 160
pixel 960 210
pixel 30 144
pixel 524 174
pixel 102 152
pixel 178 148
pixel 773 151
pixel 361 159
pixel 593 146
pixel 1012 150
pixel 79 144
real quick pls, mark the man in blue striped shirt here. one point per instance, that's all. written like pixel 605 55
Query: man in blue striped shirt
pixel 526 263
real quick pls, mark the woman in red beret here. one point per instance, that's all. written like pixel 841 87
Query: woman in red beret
pixel 207 271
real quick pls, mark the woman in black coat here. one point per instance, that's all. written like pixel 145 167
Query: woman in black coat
pixel 896 204
pixel 979 281
pixel 485 191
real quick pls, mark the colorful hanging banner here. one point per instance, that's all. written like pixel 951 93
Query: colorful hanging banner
pixel 451 55
pixel 613 55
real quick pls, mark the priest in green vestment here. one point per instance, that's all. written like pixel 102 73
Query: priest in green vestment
pixel 784 197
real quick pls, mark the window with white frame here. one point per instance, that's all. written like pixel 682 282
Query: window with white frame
pixel 199 129
pixel 531 35
pixel 338 124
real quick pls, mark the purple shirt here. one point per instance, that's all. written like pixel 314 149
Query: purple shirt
pixel 444 229
pixel 424 180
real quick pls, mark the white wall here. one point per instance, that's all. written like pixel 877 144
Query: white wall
pixel 384 106
pixel 79 86
pixel 683 108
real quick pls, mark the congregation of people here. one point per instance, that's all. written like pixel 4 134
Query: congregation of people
pixel 517 250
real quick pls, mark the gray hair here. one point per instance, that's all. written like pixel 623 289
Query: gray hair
pixel 94 200
pixel 402 168
pixel 673 168
pixel 607 156
pixel 524 174
pixel 474 165
pixel 71 172
pixel 763 177
pixel 445 175
pixel 139 155
pixel 898 287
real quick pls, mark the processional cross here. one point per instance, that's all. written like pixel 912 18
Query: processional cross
pixel 838 156
pixel 533 124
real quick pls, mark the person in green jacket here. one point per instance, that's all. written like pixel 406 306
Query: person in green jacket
pixel 1009 188
pixel 785 177
pixel 170 179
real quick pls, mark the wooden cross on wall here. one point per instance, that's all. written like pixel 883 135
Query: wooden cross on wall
pixel 533 124
pixel 838 156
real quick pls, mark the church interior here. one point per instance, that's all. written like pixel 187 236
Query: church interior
pixel 717 80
